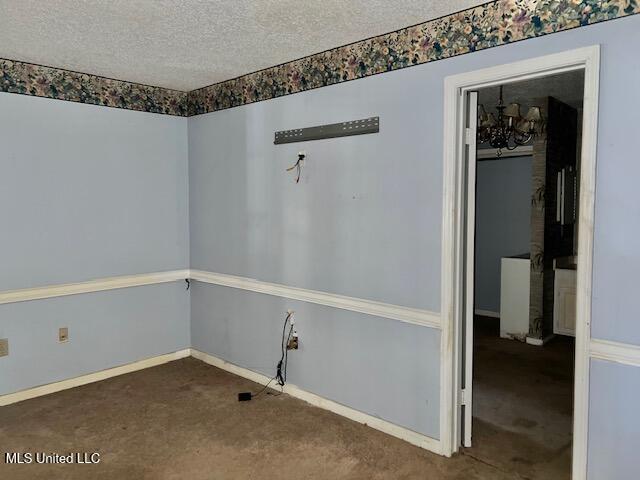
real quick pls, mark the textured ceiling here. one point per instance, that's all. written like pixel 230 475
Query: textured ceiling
pixel 187 44
pixel 566 87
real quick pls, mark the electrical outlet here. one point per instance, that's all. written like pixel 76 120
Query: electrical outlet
pixel 4 347
pixel 292 344
pixel 63 334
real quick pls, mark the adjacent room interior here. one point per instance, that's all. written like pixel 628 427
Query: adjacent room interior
pixel 319 239
pixel 526 230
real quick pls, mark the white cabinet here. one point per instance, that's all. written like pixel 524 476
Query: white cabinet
pixel 514 297
pixel 564 304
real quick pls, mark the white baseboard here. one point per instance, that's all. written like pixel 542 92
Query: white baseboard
pixel 486 313
pixel 91 377
pixel 389 428
pixel 539 341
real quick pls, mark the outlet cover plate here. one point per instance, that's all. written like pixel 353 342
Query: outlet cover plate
pixel 4 347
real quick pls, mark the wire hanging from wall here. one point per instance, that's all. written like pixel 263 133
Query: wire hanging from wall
pixel 281 367
pixel 298 166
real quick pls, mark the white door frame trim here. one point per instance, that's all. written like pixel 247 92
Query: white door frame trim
pixel 587 59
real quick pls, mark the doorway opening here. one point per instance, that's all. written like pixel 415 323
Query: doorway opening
pixel 524 247
pixel 516 219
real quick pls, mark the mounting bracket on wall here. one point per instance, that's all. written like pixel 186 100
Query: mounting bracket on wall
pixel 343 129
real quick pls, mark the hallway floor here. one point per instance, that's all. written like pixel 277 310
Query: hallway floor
pixel 183 420
pixel 523 404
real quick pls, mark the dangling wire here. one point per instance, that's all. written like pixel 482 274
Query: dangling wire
pixel 297 166
pixel 281 368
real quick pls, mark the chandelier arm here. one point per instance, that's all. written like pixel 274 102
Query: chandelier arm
pixel 503 130
pixel 523 139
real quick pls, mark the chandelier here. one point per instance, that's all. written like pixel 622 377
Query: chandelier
pixel 508 129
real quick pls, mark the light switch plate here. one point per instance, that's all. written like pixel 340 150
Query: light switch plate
pixel 63 334
pixel 4 347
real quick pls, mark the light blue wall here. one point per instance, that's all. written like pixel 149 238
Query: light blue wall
pixel 249 218
pixel 616 256
pixel 352 224
pixel 89 192
pixel 366 219
pixel 364 222
pixel 106 329
pixel 503 222
pixel 614 421
pixel 351 358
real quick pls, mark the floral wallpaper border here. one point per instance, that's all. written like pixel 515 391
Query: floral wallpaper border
pixel 40 81
pixel 496 23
